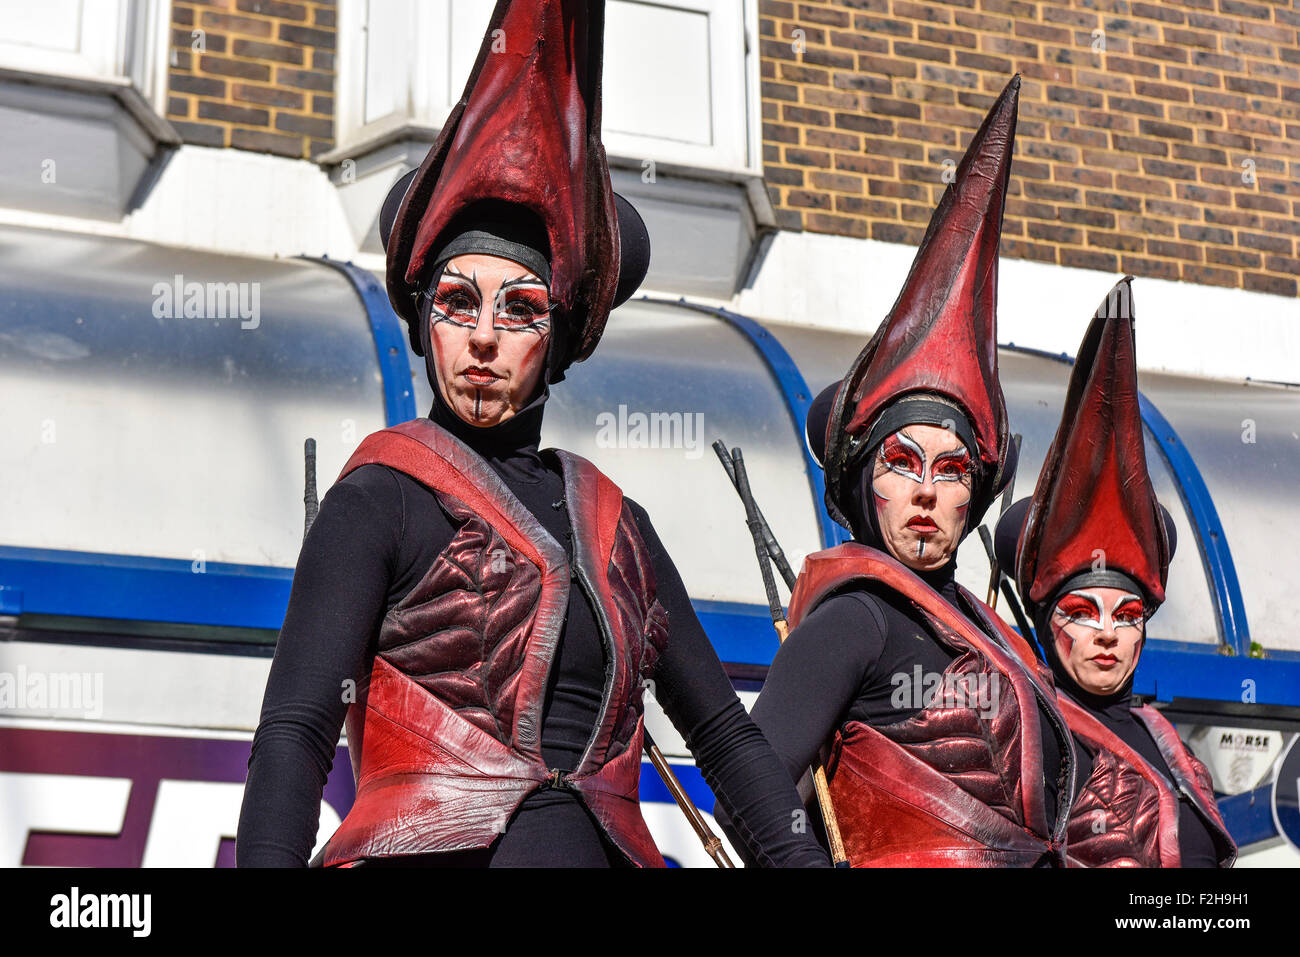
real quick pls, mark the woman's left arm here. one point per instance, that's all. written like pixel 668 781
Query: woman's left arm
pixel 737 762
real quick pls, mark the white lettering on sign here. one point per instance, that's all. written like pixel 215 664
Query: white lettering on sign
pixel 63 803
pixel 190 819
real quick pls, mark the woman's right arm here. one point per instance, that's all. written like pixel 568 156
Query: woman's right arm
pixel 338 600
pixel 816 676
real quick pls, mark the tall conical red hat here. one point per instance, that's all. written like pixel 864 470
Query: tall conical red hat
pixel 940 338
pixel 1094 510
pixel 527 132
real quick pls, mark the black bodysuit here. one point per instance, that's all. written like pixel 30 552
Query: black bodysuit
pixel 377 534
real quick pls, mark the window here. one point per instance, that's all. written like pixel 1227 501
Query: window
pixel 89 40
pixel 680 82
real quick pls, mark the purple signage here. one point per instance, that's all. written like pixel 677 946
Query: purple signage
pixel 101 799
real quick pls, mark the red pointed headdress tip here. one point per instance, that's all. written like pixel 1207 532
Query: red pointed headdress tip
pixel 1094 510
pixel 526 132
pixel 940 337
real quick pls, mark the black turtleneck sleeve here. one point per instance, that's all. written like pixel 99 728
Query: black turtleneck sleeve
pixel 736 760
pixel 838 666
pixel 344 581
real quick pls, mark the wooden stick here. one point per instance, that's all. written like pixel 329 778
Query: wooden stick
pixel 741 479
pixel 712 843
pixel 311 505
pixel 839 857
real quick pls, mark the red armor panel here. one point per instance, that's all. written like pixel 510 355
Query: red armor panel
pixel 946 787
pixel 1127 814
pixel 445 740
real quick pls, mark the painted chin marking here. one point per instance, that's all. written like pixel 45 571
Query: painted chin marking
pixel 920 547
pixel 478 403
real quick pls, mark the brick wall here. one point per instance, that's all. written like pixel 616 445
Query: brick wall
pixel 264 81
pixel 1160 139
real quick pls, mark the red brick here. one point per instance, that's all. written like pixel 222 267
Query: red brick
pixel 897 233
pixel 808 199
pixel 1087 217
pixel 830 17
pixel 1210 276
pixel 861 206
pixel 1162 91
pixel 827 139
pixel 838 225
pixel 946 36
pixel 890 66
pixel 1144 185
pixel 1089 259
pixel 1233 257
pixel 1153 268
pixel 1021 249
pixel 1172 250
pixel 860 163
pixel 1285 264
pixel 801 157
pixel 1195 193
pixel 250 26
pixel 226 66
pixel 1114 201
pixel 274 8
pixel 836 182
pixel 1170 211
pixel 1118 241
pixel 1144 225
pixel 1276 285
pixel 260 141
pixel 879 25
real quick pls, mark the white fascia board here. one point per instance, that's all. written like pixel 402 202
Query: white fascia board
pixel 228 201
pixel 838 282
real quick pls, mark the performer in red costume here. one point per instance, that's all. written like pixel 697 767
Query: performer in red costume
pixel 947 747
pixel 1091 568
pixel 500 607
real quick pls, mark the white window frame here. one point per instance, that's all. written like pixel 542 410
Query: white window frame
pixel 430 92
pixel 118 41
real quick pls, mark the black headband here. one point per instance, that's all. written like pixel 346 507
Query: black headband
pixel 921 410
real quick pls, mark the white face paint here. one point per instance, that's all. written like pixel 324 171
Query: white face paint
pixel 921 485
pixel 489 326
pixel 1098 634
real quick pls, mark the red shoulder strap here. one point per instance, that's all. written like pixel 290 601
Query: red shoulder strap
pixel 595 505
pixel 434 457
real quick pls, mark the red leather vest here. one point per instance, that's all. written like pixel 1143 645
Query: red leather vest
pixel 1127 813
pixel 952 786
pixel 445 739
